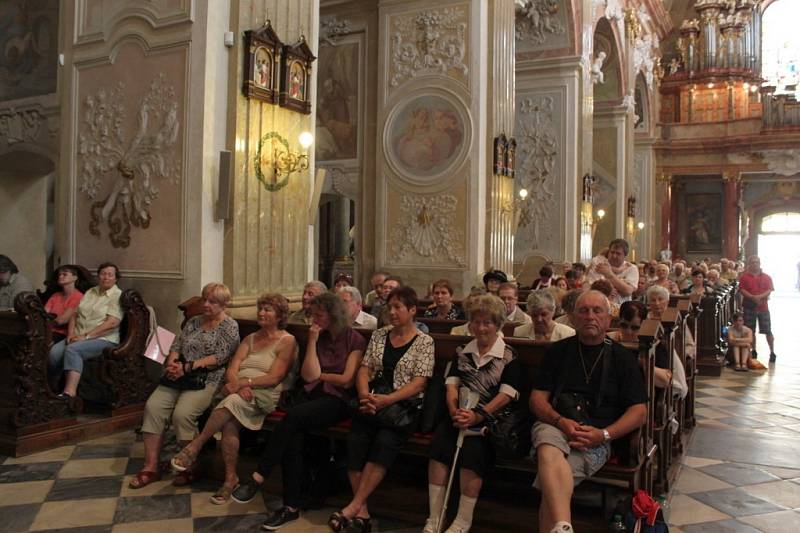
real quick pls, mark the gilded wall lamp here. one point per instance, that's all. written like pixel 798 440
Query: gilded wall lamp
pixel 275 161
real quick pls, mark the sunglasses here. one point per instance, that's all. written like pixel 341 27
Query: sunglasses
pixel 625 325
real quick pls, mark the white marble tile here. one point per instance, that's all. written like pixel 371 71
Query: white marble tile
pixel 684 510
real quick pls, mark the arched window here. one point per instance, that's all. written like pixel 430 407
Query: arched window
pixel 781 223
pixel 780 45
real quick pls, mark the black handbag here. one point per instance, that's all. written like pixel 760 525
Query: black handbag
pixel 194 380
pixel 510 432
pixel 402 415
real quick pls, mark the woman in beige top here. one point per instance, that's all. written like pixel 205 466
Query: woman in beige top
pixel 541 307
pixel 264 365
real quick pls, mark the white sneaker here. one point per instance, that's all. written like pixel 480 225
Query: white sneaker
pixel 431 526
pixel 562 527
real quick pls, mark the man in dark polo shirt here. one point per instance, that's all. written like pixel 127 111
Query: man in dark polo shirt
pixel 586 377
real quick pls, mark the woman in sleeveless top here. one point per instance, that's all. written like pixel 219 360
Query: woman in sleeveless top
pixel 264 365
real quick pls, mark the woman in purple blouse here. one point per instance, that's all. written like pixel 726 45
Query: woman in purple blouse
pixel 332 357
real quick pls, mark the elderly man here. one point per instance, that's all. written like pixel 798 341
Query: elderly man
pixel 508 293
pixel 604 379
pixel 756 286
pixel 311 290
pixel 11 283
pixel 622 275
pixel 728 270
pixel 388 285
pixel 352 301
pixel 376 281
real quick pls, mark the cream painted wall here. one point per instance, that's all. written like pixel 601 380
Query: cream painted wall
pixel 23 215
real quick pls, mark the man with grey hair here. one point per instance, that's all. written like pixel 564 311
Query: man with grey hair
pixel 351 297
pixel 11 283
pixel 588 392
pixel 311 290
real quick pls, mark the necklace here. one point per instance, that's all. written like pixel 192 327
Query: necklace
pixel 588 374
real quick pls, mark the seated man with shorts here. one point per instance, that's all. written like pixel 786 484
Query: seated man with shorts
pixel 588 392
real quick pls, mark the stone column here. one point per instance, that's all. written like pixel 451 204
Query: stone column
pixel 730 215
pixel 664 189
pixel 676 189
pixel 445 90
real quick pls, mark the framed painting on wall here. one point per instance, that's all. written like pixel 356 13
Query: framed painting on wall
pixel 262 59
pixel 296 77
pixel 703 225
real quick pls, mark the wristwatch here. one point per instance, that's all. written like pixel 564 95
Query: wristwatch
pixel 606 436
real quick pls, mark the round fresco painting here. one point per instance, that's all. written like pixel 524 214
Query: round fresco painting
pixel 426 135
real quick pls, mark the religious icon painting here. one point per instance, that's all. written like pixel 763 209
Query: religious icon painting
pixel 296 77
pixel 263 50
pixel 500 148
pixel 511 158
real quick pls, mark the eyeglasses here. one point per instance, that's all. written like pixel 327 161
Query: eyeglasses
pixel 625 325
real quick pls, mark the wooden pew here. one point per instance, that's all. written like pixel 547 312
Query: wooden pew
pixel 32 418
pixel 711 346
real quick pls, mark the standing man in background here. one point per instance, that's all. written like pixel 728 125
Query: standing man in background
pixel 756 287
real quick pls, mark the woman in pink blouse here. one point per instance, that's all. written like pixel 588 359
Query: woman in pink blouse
pixel 64 303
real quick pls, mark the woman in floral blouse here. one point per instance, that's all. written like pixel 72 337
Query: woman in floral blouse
pixel 399 355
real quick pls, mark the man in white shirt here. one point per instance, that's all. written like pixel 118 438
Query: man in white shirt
pixel 352 301
pixel 622 275
pixel 508 293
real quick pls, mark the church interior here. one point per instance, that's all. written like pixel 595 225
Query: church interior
pixel 235 153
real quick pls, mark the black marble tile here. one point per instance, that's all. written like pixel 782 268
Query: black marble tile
pixel 134 465
pixel 18 517
pixel 250 522
pixel 737 474
pixel 163 507
pixel 83 529
pixel 101 451
pixel 723 526
pixel 745 447
pixel 85 488
pixel 29 472
pixel 736 502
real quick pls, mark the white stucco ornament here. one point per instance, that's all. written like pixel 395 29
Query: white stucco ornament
pixel 429 42
pixel 536 19
pixel 426 227
pixel 127 169
pixel 643 57
pixel 597 68
pixel 18 125
pixel 782 162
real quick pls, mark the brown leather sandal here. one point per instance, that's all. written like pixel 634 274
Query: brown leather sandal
pixel 144 478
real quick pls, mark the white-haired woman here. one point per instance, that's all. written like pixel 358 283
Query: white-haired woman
pixel 489 368
pixel 657 302
pixel 541 307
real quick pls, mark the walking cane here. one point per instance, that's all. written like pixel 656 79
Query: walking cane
pixel 467 399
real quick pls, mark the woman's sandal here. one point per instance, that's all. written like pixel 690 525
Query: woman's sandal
pixel 184 460
pixel 144 478
pixel 181 479
pixel 361 524
pixel 338 521
pixel 223 495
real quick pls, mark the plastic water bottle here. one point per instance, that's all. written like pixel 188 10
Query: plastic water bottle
pixel 617 524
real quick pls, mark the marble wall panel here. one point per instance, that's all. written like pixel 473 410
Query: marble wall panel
pixel 129 161
pixel 95 19
pixel 28 48
pixel 541 160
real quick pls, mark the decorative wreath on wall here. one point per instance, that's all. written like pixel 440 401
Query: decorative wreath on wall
pixel 271 184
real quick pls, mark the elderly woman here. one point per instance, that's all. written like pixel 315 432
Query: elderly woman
pixel 568 306
pixel 714 279
pixel 398 362
pixel 11 282
pixel 63 304
pixel 698 286
pixel 657 302
pixel 489 368
pixel 204 346
pixel 333 355
pixel 263 366
pixel 90 330
pixel 443 306
pixel 662 279
pixel 541 307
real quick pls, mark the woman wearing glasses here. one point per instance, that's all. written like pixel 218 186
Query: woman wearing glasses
pixel 631 315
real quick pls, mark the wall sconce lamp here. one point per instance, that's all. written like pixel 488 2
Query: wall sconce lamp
pixel 275 161
pixel 601 213
pixel 518 208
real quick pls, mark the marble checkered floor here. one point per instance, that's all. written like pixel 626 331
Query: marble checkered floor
pixel 742 469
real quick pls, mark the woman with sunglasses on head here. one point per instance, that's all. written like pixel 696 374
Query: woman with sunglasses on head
pixel 631 315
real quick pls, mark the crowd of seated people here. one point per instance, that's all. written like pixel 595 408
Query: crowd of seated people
pixel 379 384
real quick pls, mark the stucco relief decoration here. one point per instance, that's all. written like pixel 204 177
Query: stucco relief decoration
pixel 536 156
pixel 428 228
pixel 429 42
pixel 331 29
pixel 127 169
pixel 644 58
pixel 344 181
pixel 20 125
pixel 536 19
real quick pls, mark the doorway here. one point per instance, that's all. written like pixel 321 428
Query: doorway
pixel 779 250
